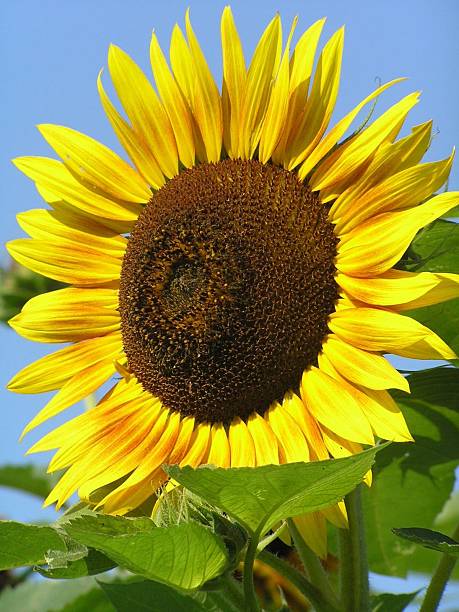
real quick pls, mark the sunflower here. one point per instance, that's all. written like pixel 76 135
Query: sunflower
pixel 237 279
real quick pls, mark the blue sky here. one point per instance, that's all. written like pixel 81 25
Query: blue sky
pixel 52 52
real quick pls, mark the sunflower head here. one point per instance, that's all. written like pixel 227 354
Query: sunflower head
pixel 239 271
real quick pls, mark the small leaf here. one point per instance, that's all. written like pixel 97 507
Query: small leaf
pixel 148 596
pixel 94 562
pixel 29 478
pixel 429 539
pixel 27 544
pixel 185 556
pixel 260 497
pixel 391 602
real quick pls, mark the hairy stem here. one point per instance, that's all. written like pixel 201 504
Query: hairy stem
pixel 313 566
pixel 251 600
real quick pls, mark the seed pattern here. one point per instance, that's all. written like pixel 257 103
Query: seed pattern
pixel 226 288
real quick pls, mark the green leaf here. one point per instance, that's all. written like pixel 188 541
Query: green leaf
pixel 94 562
pixel 391 602
pixel 185 556
pixel 148 596
pixel 94 600
pixel 412 482
pixel 27 544
pixel 48 596
pixel 430 539
pixel 29 478
pixel 260 497
pixel 443 319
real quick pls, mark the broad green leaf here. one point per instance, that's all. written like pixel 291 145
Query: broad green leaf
pixel 48 596
pixel 430 539
pixel 412 482
pixel 29 478
pixel 185 556
pixel 27 544
pixel 260 497
pixel 148 596
pixel 94 600
pixel 391 602
pixel 94 562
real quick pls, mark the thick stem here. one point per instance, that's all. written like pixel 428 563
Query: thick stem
pixel 313 566
pixel 298 580
pixel 355 589
pixel 439 580
pixel 251 600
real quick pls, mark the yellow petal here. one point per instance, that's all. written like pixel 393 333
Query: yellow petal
pixel 52 371
pixel 234 81
pixel 206 101
pixel 390 158
pixel 182 443
pixel 53 177
pixel 372 329
pixel 241 443
pixel 313 530
pixel 95 165
pixel 68 315
pixel 340 447
pixel 220 453
pixel 67 227
pixel 65 261
pixel 144 109
pixel 335 407
pixel 335 134
pixel 292 443
pixel 350 157
pixel 174 104
pixel 276 111
pixel 262 70
pixel 320 104
pixel 75 389
pixel 199 446
pixel 266 447
pixel 133 143
pixel 400 191
pixel 392 232
pixel 446 288
pixel 297 409
pixel 362 367
pixel 301 65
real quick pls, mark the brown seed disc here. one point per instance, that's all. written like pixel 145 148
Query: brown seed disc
pixel 226 288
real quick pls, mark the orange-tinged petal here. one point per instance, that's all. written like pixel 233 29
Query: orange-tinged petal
pixel 95 165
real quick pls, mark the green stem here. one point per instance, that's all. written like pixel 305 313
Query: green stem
pixel 298 580
pixel 355 591
pixel 439 579
pixel 313 566
pixel 251 600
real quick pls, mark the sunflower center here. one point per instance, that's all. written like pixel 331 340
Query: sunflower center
pixel 226 288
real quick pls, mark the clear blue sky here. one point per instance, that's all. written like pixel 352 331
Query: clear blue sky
pixel 52 51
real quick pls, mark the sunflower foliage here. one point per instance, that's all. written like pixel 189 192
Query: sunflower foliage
pixel 247 457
